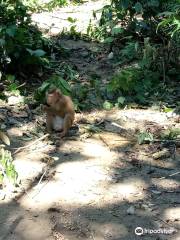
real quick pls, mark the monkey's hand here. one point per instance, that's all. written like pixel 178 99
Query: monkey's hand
pixel 46 108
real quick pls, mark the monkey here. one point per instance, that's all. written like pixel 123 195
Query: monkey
pixel 60 112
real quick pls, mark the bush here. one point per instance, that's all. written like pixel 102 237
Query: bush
pixel 145 32
pixel 21 43
pixel 7 169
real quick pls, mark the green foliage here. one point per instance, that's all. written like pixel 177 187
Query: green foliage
pixel 170 23
pixel 39 5
pixel 173 133
pixel 125 80
pixel 21 44
pixel 145 33
pixel 72 32
pixel 93 129
pixel 120 101
pixel 12 84
pixel 54 81
pixel 7 169
pixel 107 105
pixel 135 82
pixel 145 137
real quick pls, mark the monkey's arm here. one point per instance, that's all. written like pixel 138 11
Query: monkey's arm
pixel 47 109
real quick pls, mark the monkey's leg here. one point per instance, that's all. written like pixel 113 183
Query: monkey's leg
pixel 67 124
pixel 49 123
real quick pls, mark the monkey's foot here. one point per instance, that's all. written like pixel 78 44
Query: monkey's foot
pixel 62 134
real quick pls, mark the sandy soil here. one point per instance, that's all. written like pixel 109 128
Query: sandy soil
pixel 99 186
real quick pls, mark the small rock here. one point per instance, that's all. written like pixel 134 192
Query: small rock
pixel 14 100
pixel 155 192
pixel 2 195
pixel 164 153
pixel 13 121
pixel 3 126
pixel 15 132
pixel 171 114
pixel 21 114
pixel 131 210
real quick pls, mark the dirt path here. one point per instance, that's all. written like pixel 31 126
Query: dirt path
pixel 99 186
pixel 56 21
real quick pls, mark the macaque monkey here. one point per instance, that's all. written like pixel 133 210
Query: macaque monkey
pixel 60 112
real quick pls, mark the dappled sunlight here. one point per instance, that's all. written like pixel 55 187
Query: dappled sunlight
pixel 171 213
pixel 80 183
pixel 143 115
pixel 56 21
pixel 116 230
pixel 28 168
pixel 130 188
pixel 168 184
pixel 76 185
pixel 97 150
pixel 117 167
pixel 159 163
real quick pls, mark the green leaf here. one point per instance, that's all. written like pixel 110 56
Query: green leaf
pixel 144 137
pixel 121 100
pixel 60 83
pixel 108 40
pixel 10 78
pixel 107 105
pixel 166 109
pixel 117 30
pixel 39 53
pixel 65 84
pixel 12 87
pixel 124 3
pixel 71 20
pixel 2 42
pixel 11 30
pixel 44 87
pixel 153 3
pixel 138 7
pixel 36 53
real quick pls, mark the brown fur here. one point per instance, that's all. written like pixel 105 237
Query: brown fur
pixel 59 105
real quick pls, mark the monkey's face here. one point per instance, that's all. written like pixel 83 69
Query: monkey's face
pixel 53 97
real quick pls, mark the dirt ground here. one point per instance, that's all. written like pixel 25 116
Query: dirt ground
pixel 93 187
pixel 98 186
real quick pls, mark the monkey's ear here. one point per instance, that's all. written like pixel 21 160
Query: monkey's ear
pixel 58 92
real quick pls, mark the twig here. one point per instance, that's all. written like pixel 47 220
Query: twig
pixel 177 228
pixel 104 141
pixel 92 236
pixel 173 174
pixel 40 189
pixel 169 141
pixel 40 180
pixel 21 85
pixel 31 144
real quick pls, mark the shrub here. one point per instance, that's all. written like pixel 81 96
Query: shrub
pixel 21 44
